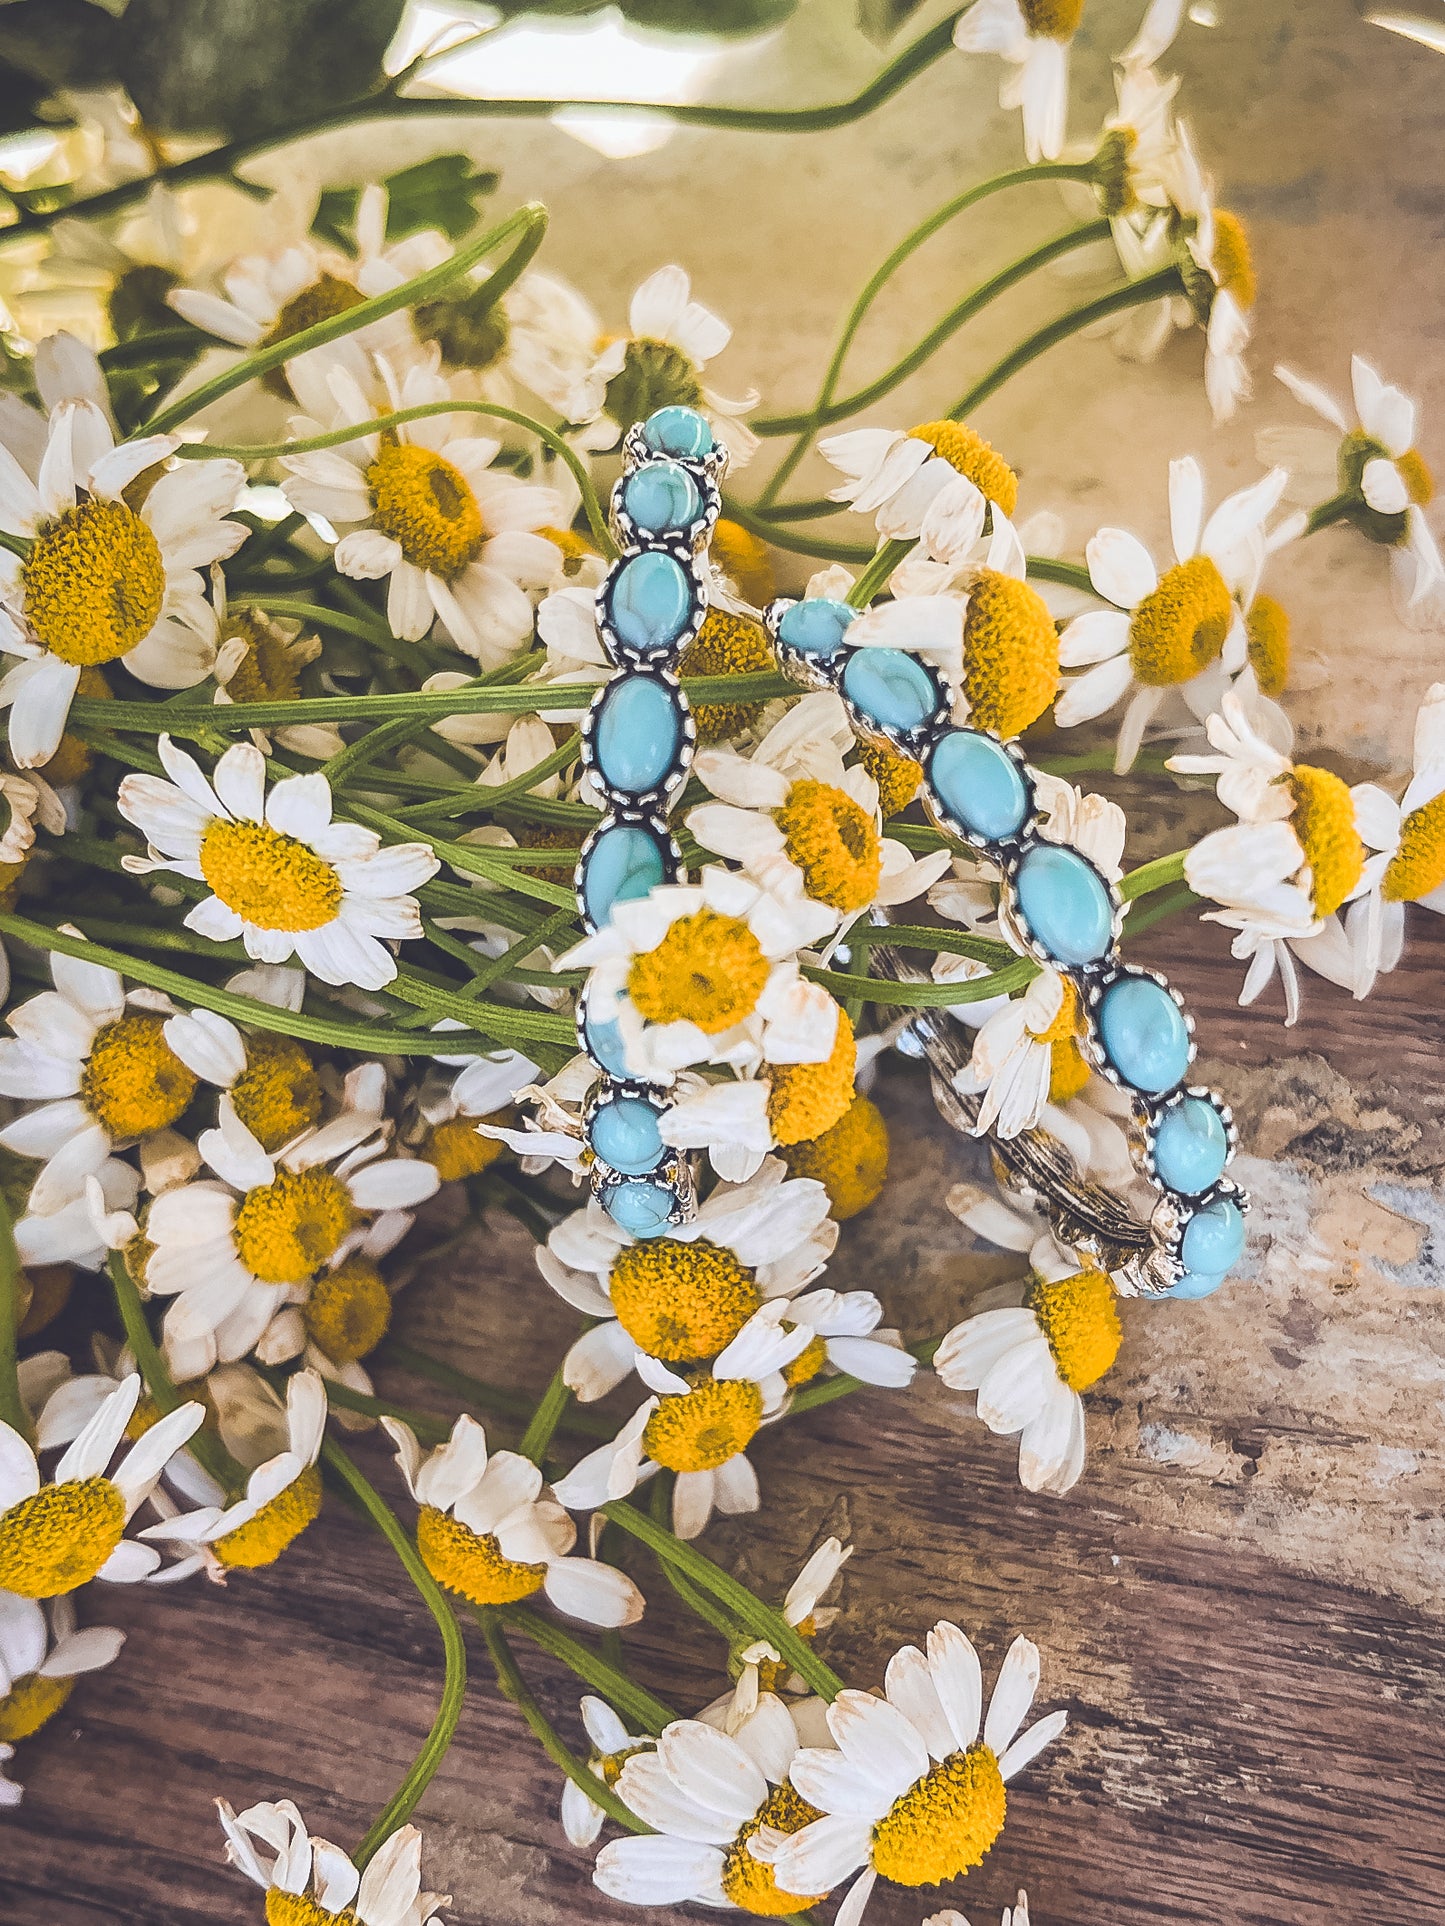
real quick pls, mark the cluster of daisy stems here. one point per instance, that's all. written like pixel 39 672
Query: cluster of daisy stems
pixel 405 799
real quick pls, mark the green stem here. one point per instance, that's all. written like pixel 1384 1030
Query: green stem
pixel 193 721
pixel 1043 568
pixel 276 450
pixel 749 1610
pixel 875 577
pixel 542 1425
pixel 12 1405
pixel 634 1702
pixel 962 312
pixel 404 1800
pixel 1134 294
pixel 514 1686
pixel 387 105
pixel 1156 875
pixel 926 996
pixel 528 225
pixel 208 1451
pixel 486 796
pixel 1326 514
pixel 808 425
pixel 696 1601
pixel 852 554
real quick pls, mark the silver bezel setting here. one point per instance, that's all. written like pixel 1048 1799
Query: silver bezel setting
pixel 660 797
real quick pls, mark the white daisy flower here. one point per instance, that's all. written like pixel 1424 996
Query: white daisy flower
pixel 235 1249
pixel 42 1654
pixel 708 972
pixel 659 362
pixel 313 1879
pixel 770 1106
pixel 102 582
pixel 259 659
pixel 1305 845
pixel 482 1087
pixel 1166 631
pixel 612 1745
pixel 272 1080
pixel 282 1496
pixel 800 822
pixel 934 484
pixel 1219 277
pixel 283 876
pixel 59 1534
pixel 709 1795
pixel 74 1229
pixel 913 1794
pixel 1033 38
pixel 423 505
pixel 1372 459
pixel 69 1406
pixel 94 1063
pixel 24 800
pixel 762 1668
pixel 493 1532
pixel 689 1294
pixel 1029 1363
pixel 698 1426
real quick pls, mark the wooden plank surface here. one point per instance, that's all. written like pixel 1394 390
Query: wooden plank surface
pixel 1235 1604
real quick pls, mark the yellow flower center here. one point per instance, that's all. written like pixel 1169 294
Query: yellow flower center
pixel 458 1149
pixel 1052 19
pixel 348 1311
pixel 833 841
pixel 1324 820
pixel 1010 654
pixel 1233 259
pixel 896 775
pixel 286 1230
pixel 1180 628
pixel 29 1703
pixel 681 1301
pixel 132 1082
pixel 1080 1318
pixel 299 1909
pixel 699 1430
pixel 1267 627
pixel 808 1098
pixel 73 759
pixel 1418 866
pixel 750 1884
pixel 972 456
pixel 850 1160
pixel 471 1563
pixel 708 969
pixel 262 1539
pixel 327 296
pixel 806 1365
pixel 59 1537
pixel 944 1823
pixel 278 1094
pixel 726 645
pixel 272 880
pixel 1419 482
pixel 746 561
pixel 268 671
pixel 1068 1072
pixel 427 506
pixel 94 583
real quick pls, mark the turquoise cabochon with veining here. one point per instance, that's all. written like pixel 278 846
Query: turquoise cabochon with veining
pixel 892 689
pixel 979 785
pixel 640 1207
pixel 815 627
pixel 625 862
pixel 638 733
pixel 1064 904
pixel 624 1133
pixel 652 600
pixel 1191 1146
pixel 1144 1034
pixel 678 431
pixel 661 497
pixel 1213 1238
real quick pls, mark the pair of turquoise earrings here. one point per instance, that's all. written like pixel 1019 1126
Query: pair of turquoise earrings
pixel 638 742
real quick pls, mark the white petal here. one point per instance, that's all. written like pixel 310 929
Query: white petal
pixel 1018 1681
pixel 1120 567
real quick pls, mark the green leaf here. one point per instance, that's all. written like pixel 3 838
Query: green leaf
pixel 443 193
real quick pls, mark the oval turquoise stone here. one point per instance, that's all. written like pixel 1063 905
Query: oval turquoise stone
pixel 1064 904
pixel 1191 1146
pixel 624 1134
pixel 661 497
pixel 1195 1284
pixel 1213 1238
pixel 637 734
pixel 815 627
pixel 891 688
pixel 979 785
pixel 603 1043
pixel 642 1208
pixel 1144 1034
pixel 652 600
pixel 626 861
pixel 677 431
